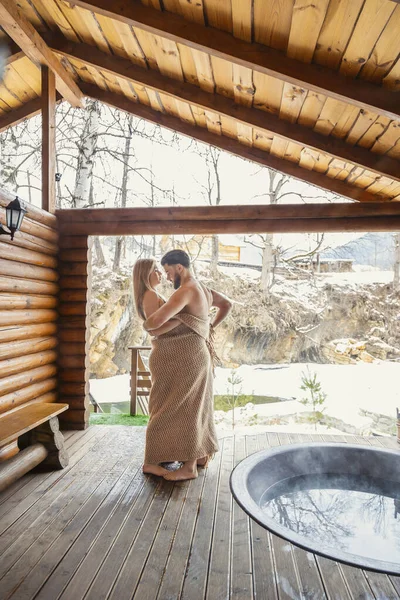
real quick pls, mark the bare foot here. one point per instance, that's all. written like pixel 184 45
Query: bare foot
pixel 154 470
pixel 181 474
pixel 203 462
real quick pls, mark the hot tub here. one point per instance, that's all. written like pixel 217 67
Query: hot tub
pixel 338 500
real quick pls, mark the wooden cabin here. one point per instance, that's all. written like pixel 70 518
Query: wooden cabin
pixel 308 89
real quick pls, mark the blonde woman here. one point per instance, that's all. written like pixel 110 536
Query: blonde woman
pixel 146 278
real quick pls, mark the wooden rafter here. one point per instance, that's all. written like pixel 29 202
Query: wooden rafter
pixel 383 165
pixel 286 218
pixel 251 55
pixel 20 30
pixel 26 111
pixel 261 157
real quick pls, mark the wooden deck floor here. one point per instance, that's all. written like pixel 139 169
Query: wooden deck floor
pixel 100 529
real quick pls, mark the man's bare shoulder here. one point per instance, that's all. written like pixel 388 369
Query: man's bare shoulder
pixel 184 290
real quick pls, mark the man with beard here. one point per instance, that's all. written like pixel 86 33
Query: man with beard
pixel 181 405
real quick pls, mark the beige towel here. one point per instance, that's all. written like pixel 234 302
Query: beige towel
pixel 181 403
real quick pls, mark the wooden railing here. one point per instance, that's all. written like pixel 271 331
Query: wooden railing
pixel 140 381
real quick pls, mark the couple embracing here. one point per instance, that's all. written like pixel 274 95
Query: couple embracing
pixel 181 426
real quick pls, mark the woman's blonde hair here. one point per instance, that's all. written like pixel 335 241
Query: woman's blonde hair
pixel 141 282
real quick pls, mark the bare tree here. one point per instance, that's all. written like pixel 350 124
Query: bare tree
pixel 87 154
pixel 211 191
pixel 276 183
pixel 124 191
pixel 277 190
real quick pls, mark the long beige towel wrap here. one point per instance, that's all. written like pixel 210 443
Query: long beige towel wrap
pixel 181 425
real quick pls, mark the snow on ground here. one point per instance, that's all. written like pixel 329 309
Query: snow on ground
pixel 372 387
pixel 359 277
pixel 349 388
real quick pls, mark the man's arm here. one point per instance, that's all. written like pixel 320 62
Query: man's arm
pixel 224 306
pixel 175 304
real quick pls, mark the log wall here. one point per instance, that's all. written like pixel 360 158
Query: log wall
pixel 28 310
pixel 74 328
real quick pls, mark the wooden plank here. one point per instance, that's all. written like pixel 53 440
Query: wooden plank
pixel 30 242
pixel 10 268
pixel 15 301
pixel 15 382
pixel 22 396
pixel 48 140
pixel 306 225
pixel 26 419
pixel 195 581
pixel 27 256
pixel 26 286
pixel 20 348
pixel 178 561
pixel 19 558
pixel 11 366
pixel 220 556
pixel 254 56
pixel 307 17
pixel 120 505
pixel 123 490
pixel 25 317
pixel 264 574
pixel 385 51
pixel 151 502
pixel 372 20
pixel 29 40
pixel 241 578
pixel 242 16
pixel 228 213
pixel 219 14
pixel 73 521
pixel 150 578
pixel 292 101
pixel 272 20
pixel 16 332
pixel 336 31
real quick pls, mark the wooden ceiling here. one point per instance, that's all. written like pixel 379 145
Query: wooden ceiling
pixel 310 89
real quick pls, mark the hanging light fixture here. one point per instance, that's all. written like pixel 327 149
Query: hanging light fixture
pixel 15 212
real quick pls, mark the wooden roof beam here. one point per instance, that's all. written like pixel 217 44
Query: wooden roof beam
pixel 20 30
pixel 290 218
pixel 261 157
pixel 251 55
pixel 232 212
pixel 26 111
pixel 383 165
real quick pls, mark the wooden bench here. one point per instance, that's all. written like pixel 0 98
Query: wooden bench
pixel 28 437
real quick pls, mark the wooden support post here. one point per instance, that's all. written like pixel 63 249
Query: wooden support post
pixel 134 370
pixel 74 330
pixel 48 139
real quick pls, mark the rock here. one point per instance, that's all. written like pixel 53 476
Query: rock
pixel 366 357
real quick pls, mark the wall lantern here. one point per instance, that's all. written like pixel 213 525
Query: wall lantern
pixel 14 215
